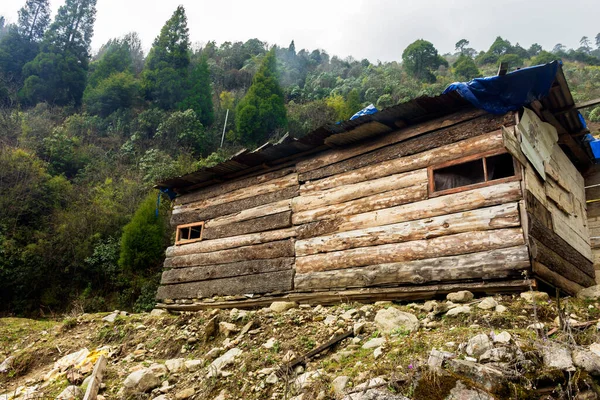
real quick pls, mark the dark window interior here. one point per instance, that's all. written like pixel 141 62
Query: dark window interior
pixel 184 233
pixel 190 232
pixel 500 166
pixel 459 175
pixel 195 232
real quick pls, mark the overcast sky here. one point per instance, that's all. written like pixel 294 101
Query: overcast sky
pixel 374 29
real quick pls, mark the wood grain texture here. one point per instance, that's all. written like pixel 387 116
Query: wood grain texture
pixel 282 248
pixel 462 243
pixel 208 246
pixel 544 273
pixel 251 213
pixel 203 273
pixel 261 224
pixel 497 217
pixel 544 255
pixel 494 264
pixel 479 144
pixel 280 281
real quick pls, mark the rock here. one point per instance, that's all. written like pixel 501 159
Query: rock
pixel 374 343
pixel 464 296
pixel 350 314
pixel 71 393
pixel 459 310
pixel 391 319
pixel 161 397
pixel 175 365
pixel 484 376
pixel 372 383
pixel 358 328
pixel 375 394
pixel 142 381
pixel 588 361
pixel 538 326
pixel 339 384
pixel 236 315
pixel 111 317
pixel 330 320
pixel 216 367
pixel 272 378
pixel 185 394
pixel 595 348
pixel 587 395
pixel 211 328
pixel 500 309
pixel 159 369
pixel 478 345
pixel 193 365
pixel 533 296
pixel 590 293
pixel 503 338
pixel 247 328
pixel 158 312
pixel 213 353
pixel 281 306
pixel 227 328
pixel 487 304
pixel 461 392
pixel 497 354
pixel 306 378
pixel 222 395
pixel 269 344
pixel 7 365
pixel 378 352
pixel 436 359
pixel 289 356
pixel 557 356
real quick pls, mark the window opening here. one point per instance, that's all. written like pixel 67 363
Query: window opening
pixel 189 233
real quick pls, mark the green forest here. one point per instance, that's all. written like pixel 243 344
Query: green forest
pixel 85 136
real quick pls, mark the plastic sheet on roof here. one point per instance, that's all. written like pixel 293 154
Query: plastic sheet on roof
pixel 368 110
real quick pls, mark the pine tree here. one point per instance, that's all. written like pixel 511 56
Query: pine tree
pixel 34 18
pixel 262 110
pixel 167 64
pixel 199 94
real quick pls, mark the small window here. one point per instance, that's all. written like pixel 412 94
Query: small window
pixel 189 233
pixel 471 172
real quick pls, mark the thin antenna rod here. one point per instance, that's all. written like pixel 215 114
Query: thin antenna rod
pixel 224 126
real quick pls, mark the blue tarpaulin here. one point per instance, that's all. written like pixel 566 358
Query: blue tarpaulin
pixel 368 110
pixel 501 94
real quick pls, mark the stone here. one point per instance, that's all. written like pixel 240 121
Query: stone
pixel 339 384
pixel 372 383
pixel 463 296
pixel 227 328
pixel 281 306
pixel 161 397
pixel 158 312
pixel 247 328
pixel 193 365
pixel 557 356
pixel 272 379
pixel 159 369
pixel 374 343
pixel 500 309
pixel 175 365
pixel 350 314
pixel 462 392
pixel 590 293
pixel 269 344
pixel 7 365
pixel 588 361
pixel 533 296
pixel 503 338
pixel 497 354
pixel 185 394
pixel 538 326
pixel 595 348
pixel 378 352
pixel 375 394
pixel 142 380
pixel 236 315
pixel 71 393
pixel 111 317
pixel 459 310
pixel 487 304
pixel 211 328
pixel 213 353
pixel 484 376
pixel 306 378
pixel 222 395
pixel 391 319
pixel 478 345
pixel 216 367
pixel 330 320
pixel 358 328
pixel 436 359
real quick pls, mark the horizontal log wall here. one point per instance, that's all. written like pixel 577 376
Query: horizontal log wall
pixel 592 194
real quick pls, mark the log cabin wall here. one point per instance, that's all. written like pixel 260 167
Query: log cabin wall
pixel 555 218
pixel 592 183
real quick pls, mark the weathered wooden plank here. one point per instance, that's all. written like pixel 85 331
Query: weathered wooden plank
pixel 494 264
pixel 280 281
pixel 235 206
pixel 207 246
pixel 226 187
pixel 479 144
pixel 512 145
pixel 461 243
pixel 556 263
pixel 338 155
pixel 405 293
pixel 91 392
pixel 203 273
pixel 568 229
pixel 547 275
pixel 561 247
pixel 561 198
pixel 262 224
pixel 256 212
pixel 538 210
pixel 432 140
pixel 457 202
pixel 282 248
pixel 273 185
pixel 375 202
pixel 497 217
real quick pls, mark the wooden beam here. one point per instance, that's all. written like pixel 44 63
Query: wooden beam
pixel 260 224
pixel 547 275
pixel 559 265
pixel 586 104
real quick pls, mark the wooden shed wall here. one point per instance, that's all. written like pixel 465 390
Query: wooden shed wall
pixel 592 180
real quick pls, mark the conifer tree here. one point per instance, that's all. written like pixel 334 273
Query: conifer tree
pixel 262 110
pixel 199 93
pixel 34 18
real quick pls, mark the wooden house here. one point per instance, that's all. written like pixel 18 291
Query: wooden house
pixel 424 198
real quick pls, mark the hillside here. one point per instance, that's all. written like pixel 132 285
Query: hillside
pixel 84 137
pixel 488 348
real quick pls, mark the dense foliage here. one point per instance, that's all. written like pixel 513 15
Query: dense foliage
pixel 83 138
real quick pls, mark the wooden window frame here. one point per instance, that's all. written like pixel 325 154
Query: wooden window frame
pixel 179 241
pixel 475 157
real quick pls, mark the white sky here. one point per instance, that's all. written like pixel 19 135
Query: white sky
pixel 374 29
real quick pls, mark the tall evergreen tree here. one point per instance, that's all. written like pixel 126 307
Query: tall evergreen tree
pixel 34 18
pixel 167 64
pixel 58 73
pixel 262 110
pixel 420 58
pixel 199 93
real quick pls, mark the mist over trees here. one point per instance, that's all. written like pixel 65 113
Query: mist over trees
pixel 84 137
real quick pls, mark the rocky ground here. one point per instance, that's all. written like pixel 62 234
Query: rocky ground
pixel 524 346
